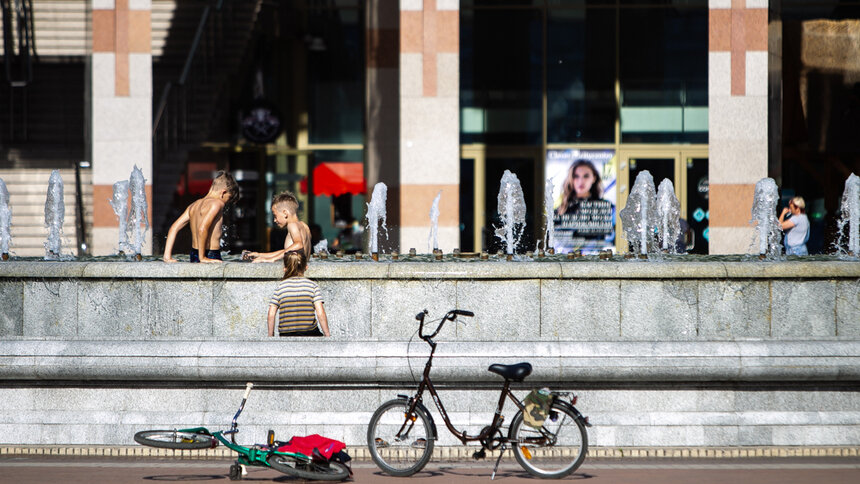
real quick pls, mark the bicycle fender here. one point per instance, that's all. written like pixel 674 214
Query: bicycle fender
pixel 427 413
pixel 573 409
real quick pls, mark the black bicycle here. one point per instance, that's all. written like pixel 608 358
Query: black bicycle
pixel 402 432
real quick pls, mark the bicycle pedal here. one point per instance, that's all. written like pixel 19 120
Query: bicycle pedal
pixel 419 443
pixel 481 454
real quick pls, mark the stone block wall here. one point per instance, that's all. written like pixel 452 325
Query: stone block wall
pixel 661 355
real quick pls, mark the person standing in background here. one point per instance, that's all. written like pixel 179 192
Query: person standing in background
pixel 796 227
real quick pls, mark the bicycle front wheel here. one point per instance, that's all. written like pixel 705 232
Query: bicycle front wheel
pixel 556 449
pixel 312 471
pixel 174 439
pixel 400 444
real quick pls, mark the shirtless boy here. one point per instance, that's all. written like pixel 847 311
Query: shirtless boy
pixel 284 208
pixel 205 216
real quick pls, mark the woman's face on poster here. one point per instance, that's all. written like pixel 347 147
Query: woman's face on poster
pixel 583 179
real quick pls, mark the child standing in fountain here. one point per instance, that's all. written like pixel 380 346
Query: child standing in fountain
pixel 296 301
pixel 204 216
pixel 285 208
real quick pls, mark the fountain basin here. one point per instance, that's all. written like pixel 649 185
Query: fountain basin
pixel 671 354
pixel 541 301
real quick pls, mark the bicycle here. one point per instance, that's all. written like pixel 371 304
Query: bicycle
pixel 402 432
pixel 311 467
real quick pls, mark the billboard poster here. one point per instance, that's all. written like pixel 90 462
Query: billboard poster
pixel 584 199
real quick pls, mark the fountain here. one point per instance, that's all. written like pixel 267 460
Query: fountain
pixel 5 221
pixel 375 214
pixel 55 211
pixel 512 211
pixel 736 324
pixel 433 239
pixel 639 217
pixel 119 204
pixel 668 214
pixel 549 237
pixel 137 215
pixel 764 219
pixel 850 216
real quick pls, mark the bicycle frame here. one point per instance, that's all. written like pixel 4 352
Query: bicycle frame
pixel 254 455
pixel 427 384
pixel 498 418
pixel 257 454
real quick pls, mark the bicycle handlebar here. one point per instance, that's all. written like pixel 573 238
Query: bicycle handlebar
pixel 248 388
pixel 449 316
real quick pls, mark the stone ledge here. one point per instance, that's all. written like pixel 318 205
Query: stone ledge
pixel 458 453
pixel 371 362
pixel 323 270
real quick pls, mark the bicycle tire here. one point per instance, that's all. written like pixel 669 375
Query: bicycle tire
pixel 329 471
pixel 550 460
pixel 173 439
pixel 399 457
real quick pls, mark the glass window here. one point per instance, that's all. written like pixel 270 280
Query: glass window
pixel 501 76
pixel 581 75
pixel 664 74
pixel 335 52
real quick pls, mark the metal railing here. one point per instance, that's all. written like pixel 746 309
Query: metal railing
pixel 185 95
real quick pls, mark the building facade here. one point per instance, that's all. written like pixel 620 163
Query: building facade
pixel 437 99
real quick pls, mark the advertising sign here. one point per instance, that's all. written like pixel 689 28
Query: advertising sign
pixel 584 196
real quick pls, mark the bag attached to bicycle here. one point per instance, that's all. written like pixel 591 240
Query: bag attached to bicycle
pixel 537 404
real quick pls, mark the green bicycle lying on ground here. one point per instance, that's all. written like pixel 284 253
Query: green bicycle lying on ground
pixel 273 454
pixel 401 433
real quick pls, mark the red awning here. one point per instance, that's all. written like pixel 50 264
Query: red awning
pixel 337 178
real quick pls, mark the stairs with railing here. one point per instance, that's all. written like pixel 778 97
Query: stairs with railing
pixel 42 124
pixel 192 82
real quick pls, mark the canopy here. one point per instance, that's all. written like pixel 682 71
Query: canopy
pixel 337 178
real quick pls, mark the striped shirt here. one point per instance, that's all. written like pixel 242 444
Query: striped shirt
pixel 295 298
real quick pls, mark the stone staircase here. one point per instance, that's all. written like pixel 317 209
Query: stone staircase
pixel 28 188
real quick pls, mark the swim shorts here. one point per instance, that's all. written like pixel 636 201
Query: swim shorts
pixel 212 254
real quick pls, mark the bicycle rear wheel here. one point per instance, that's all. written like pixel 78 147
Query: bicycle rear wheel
pixel 174 439
pixel 313 471
pixel 400 445
pixel 556 449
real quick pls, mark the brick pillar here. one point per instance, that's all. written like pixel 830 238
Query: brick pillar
pixel 738 118
pixel 120 96
pixel 429 121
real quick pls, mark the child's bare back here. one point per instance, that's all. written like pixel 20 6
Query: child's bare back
pixel 204 217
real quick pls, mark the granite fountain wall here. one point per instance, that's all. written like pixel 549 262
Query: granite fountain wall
pixel 669 354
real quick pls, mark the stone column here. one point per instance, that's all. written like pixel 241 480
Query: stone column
pixel 429 121
pixel 120 96
pixel 738 118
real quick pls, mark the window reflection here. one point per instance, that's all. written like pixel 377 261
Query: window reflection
pixel 335 75
pixel 581 75
pixel 664 74
pixel 500 76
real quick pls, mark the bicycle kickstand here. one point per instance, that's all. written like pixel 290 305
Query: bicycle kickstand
pixel 502 450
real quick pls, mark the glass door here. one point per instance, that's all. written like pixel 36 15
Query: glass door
pixel 688 171
pixel 481 170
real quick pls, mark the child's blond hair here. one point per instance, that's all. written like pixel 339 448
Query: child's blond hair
pixel 288 199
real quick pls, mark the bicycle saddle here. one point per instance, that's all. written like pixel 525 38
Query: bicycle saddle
pixel 516 372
